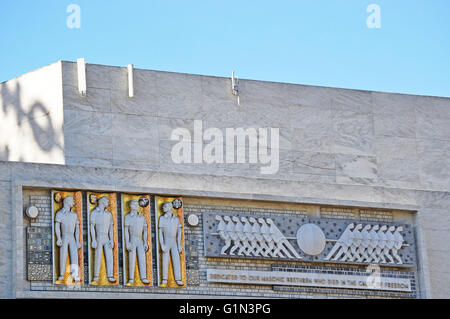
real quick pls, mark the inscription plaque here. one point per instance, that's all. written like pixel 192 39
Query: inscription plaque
pixel 282 278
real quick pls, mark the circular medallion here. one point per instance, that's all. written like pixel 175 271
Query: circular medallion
pixel 177 203
pixel 192 220
pixel 57 197
pixel 93 199
pixel 311 239
pixel 32 212
pixel 144 201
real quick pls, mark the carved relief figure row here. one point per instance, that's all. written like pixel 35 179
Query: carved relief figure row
pixel 103 241
pixel 368 244
pixel 260 237
pixel 253 237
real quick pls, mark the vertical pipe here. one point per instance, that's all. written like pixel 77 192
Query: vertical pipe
pixel 81 68
pixel 130 80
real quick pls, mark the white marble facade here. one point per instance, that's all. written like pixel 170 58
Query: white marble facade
pixel 337 147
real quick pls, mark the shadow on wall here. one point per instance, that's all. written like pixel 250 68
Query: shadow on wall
pixel 44 134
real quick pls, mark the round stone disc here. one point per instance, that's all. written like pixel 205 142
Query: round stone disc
pixel 193 220
pixel 32 212
pixel 311 239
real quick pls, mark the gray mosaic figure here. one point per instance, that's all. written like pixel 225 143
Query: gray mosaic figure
pixel 223 234
pixel 365 242
pixel 251 240
pixel 170 242
pixel 398 243
pixel 282 243
pixel 373 244
pixel 102 238
pixel 261 245
pixel 342 244
pixel 268 238
pixel 356 243
pixel 276 252
pixel 389 244
pixel 239 229
pixel 67 238
pixel 381 244
pixel 233 235
pixel 136 236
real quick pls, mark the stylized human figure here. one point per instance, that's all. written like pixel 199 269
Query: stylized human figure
pixel 102 238
pixel 356 243
pixel 68 238
pixel 251 240
pixel 230 229
pixel 261 247
pixel 282 243
pixel 398 238
pixel 170 243
pixel 136 238
pixel 223 234
pixel 277 236
pixel 381 244
pixel 373 244
pixel 389 244
pixel 265 231
pixel 239 229
pixel 342 244
pixel 365 241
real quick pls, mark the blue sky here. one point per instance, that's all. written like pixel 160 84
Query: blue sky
pixel 320 42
